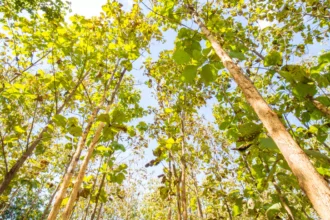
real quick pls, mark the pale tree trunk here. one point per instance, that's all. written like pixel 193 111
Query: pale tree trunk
pixel 98 196
pixel 82 141
pixel 83 167
pixel 183 170
pixel 199 204
pixel 310 181
pixel 94 184
pixel 54 193
pixel 19 163
pixel 67 178
pixel 169 213
pixel 178 197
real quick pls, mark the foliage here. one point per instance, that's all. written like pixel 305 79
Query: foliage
pixel 59 75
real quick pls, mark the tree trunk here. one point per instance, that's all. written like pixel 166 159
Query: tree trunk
pixel 309 179
pixel 94 184
pixel 83 167
pixel 169 213
pixel 99 212
pixel 19 163
pixel 98 196
pixel 199 204
pixel 183 171
pixel 178 197
pixel 67 178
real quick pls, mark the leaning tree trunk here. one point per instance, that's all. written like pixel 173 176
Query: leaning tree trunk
pixel 19 163
pixel 82 141
pixel 310 181
pixel 83 167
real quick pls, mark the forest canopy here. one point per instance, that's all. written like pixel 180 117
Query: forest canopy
pixel 169 109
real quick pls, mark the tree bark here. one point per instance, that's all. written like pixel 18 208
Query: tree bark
pixel 183 170
pixel 310 181
pixel 19 163
pixel 83 167
pixel 178 197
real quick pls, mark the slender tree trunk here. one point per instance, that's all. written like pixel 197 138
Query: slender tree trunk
pixel 169 213
pixel 83 167
pixel 94 184
pixel 67 178
pixel 183 170
pixel 178 197
pixel 309 179
pixel 283 202
pixel 99 212
pixel 19 163
pixel 199 204
pixel 98 196
pixel 54 193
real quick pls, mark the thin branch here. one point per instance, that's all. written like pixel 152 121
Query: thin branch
pixel 32 125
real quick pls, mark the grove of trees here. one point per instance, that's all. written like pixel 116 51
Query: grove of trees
pixel 231 121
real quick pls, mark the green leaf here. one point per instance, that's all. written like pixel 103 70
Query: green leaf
pixel 273 58
pixel 142 126
pixel 119 178
pixel 312 129
pixel 19 129
pixel 104 118
pixel 60 120
pixel 118 146
pixel 75 131
pixel 248 129
pixel 302 90
pixel 169 143
pixel 189 73
pixel 272 210
pixel 324 58
pixel 207 74
pixel 181 57
pixel 238 207
pixel 238 55
pixel 268 143
pixel 224 125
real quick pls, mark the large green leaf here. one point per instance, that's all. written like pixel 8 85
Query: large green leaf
pixel 273 210
pixel 324 58
pixel 181 56
pixel 189 73
pixel 268 143
pixel 75 131
pixel 207 74
pixel 302 90
pixel 273 58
